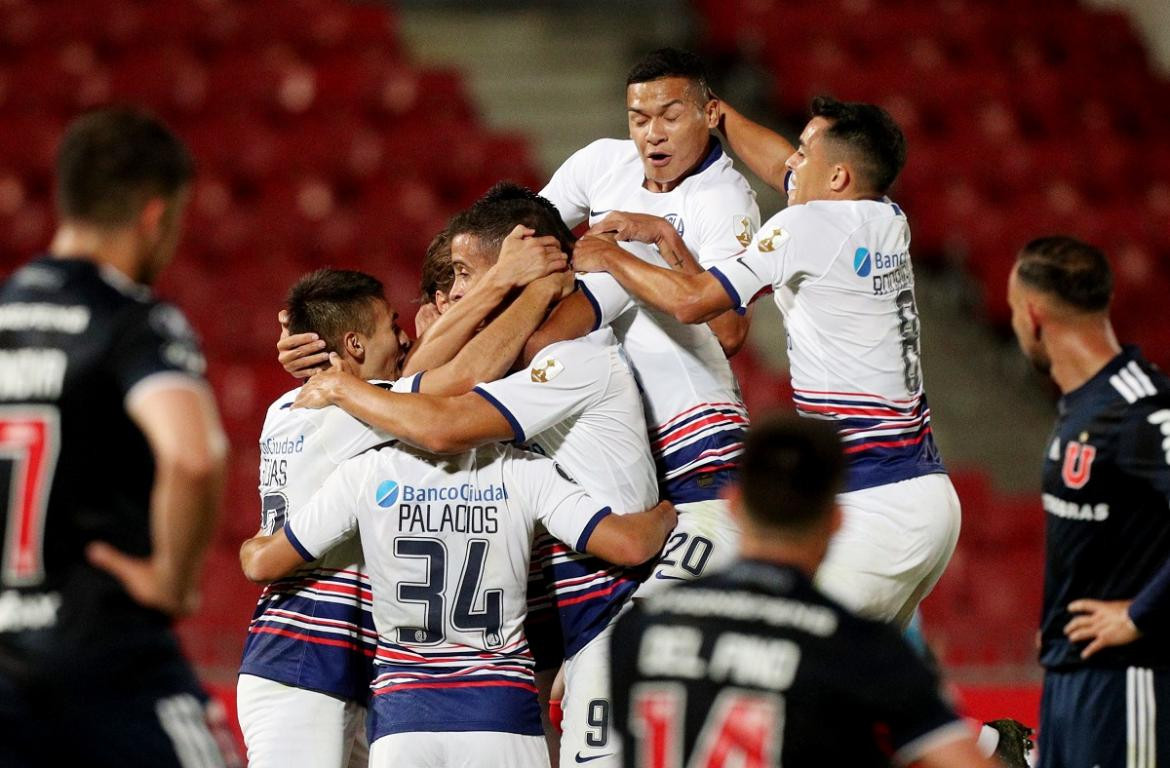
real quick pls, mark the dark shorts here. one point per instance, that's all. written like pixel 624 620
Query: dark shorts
pixel 159 716
pixel 1105 718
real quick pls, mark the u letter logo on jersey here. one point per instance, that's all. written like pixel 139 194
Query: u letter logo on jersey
pixel 1078 464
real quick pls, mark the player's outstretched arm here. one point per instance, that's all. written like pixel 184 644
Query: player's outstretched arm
pixel 267 558
pixel 523 259
pixel 570 319
pixel 635 538
pixel 689 298
pixel 435 423
pixel 960 753
pixel 761 149
pixel 730 328
pixel 182 428
pixel 492 352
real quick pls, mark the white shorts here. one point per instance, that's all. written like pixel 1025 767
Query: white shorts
pixel 459 749
pixel 705 540
pixel 289 727
pixel 894 543
pixel 586 734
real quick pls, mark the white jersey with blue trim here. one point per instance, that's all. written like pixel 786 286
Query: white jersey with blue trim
pixel 840 272
pixel 578 403
pixel 313 628
pixel 692 403
pixel 447 542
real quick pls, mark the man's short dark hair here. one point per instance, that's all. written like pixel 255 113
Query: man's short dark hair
pixel 332 302
pixel 491 218
pixel 671 62
pixel 870 132
pixel 1074 272
pixel 791 472
pixel 111 161
pixel 436 268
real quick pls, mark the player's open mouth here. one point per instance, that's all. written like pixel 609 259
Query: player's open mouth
pixel 659 159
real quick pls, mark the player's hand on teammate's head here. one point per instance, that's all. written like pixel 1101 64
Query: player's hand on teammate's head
pixel 524 257
pixel 590 251
pixel 639 227
pixel 143 579
pixel 562 283
pixel 301 354
pixel 1100 623
pixel 426 316
pixel 324 388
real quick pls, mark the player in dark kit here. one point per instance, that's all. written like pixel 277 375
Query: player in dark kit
pixel 754 666
pixel 111 459
pixel 1105 637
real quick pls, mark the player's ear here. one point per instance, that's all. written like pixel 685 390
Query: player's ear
pixel 840 178
pixel 711 112
pixel 353 346
pixel 151 218
pixel 733 495
pixel 836 519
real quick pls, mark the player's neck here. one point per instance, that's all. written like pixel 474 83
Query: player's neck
pixel 801 556
pixel 112 248
pixel 1079 352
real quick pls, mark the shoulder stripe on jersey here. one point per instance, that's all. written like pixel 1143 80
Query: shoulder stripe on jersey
pixel 1142 378
pixel 1123 388
pixel 517 430
pixel 1133 383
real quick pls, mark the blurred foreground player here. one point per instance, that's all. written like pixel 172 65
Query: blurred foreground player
pixel 113 457
pixel 755 666
pixel 1105 644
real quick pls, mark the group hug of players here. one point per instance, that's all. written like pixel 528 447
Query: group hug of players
pixel 554 492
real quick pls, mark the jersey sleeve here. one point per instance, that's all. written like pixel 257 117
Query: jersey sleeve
pixel 568 189
pixel 609 299
pixel 552 497
pixel 562 380
pixel 769 261
pixel 1144 456
pixel 906 698
pixel 154 339
pixel 342 436
pixel 728 218
pixel 330 516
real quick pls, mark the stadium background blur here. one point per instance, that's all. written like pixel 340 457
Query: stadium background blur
pixel 342 133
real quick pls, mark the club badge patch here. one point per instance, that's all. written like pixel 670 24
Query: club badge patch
pixel 742 227
pixel 1078 464
pixel 773 240
pixel 547 370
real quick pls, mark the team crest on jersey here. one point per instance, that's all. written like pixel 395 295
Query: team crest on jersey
pixel 773 240
pixel 1078 464
pixel 676 222
pixel 741 225
pixel 547 371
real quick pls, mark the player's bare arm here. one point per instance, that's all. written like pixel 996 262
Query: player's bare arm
pixel 730 328
pixel 960 753
pixel 523 259
pixel 688 298
pixel 435 423
pixel 570 319
pixel 761 149
pixel 267 558
pixel 182 427
pixel 635 538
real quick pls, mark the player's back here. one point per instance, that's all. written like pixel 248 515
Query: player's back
pixel 447 542
pixel 843 279
pixel 77 343
pixel 754 664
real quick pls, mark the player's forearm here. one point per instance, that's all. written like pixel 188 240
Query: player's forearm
pixel 634 538
pixel 676 293
pixel 433 423
pixel 761 149
pixel 451 332
pixel 185 510
pixel 731 329
pixel 491 353
pixel 570 319
pixel 1150 611
pixel 267 558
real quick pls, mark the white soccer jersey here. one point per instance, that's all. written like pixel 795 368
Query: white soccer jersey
pixel 693 408
pixel 313 628
pixel 447 542
pixel 578 403
pixel 841 275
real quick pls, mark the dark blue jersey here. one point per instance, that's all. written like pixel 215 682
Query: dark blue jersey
pixel 754 666
pixel 76 342
pixel 1106 492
